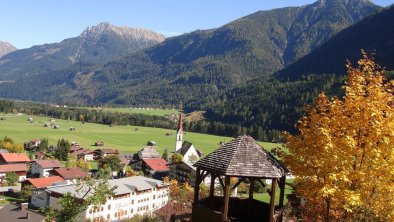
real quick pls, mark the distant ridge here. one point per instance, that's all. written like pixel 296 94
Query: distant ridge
pixel 97 44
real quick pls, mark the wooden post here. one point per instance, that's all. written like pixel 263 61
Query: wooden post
pixel 197 186
pixel 282 186
pixel 226 197
pixel 212 186
pixel 272 200
pixel 251 188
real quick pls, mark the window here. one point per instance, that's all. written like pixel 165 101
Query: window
pixel 108 216
pixel 131 211
pixel 132 201
pixel 154 196
pixel 109 207
pixel 116 214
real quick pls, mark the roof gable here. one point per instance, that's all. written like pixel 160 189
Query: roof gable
pixel 14 157
pixel 157 164
pixel 44 181
pixel 148 152
pixel 48 163
pixel 13 168
pixel 71 173
pixel 242 157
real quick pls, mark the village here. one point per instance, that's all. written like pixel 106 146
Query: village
pixel 143 181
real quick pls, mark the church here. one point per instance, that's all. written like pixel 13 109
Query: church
pixel 184 171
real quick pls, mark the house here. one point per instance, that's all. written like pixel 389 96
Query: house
pixel 133 195
pixel 38 187
pixel 101 153
pixel 156 168
pixel 44 182
pixel 19 213
pixel 148 152
pixel 71 174
pixel 82 153
pixel 14 158
pixel 19 169
pixel 32 144
pixel 42 168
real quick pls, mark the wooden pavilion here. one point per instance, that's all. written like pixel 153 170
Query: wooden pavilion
pixel 241 158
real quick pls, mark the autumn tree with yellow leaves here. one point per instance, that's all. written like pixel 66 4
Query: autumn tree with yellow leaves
pixel 343 156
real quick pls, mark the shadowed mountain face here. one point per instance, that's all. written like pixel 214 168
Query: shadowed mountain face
pixel 5 48
pixel 98 44
pixel 186 69
pixel 273 103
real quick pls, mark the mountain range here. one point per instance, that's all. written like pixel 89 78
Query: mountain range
pixel 257 71
pixel 96 45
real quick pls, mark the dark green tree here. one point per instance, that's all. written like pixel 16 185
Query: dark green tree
pixel 112 162
pixel 43 145
pixel 165 155
pixel 63 149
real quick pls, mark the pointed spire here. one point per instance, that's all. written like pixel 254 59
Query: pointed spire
pixel 180 122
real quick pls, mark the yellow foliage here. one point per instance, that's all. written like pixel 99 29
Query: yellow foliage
pixel 343 156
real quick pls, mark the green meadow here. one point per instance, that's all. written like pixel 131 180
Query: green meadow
pixel 128 139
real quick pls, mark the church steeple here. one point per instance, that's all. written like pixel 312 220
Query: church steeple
pixel 179 134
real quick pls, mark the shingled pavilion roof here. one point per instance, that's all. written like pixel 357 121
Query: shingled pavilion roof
pixel 242 157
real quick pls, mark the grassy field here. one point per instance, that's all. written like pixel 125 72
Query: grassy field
pixel 127 139
pixel 145 111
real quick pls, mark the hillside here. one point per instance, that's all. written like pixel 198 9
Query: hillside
pixel 275 102
pixel 185 70
pixel 98 45
pixel 5 48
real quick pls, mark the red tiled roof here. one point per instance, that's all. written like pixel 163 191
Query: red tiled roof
pixel 13 168
pixel 71 173
pixel 49 163
pixel 157 164
pixel 14 157
pixel 44 181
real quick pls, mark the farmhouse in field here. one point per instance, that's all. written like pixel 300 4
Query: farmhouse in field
pixel 133 195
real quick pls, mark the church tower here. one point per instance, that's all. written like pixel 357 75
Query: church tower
pixel 179 134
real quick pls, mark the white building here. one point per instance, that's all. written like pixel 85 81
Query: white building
pixel 42 168
pixel 133 195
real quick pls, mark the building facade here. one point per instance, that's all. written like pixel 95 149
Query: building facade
pixel 133 195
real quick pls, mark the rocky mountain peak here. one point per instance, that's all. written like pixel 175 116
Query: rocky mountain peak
pixel 5 48
pixel 137 34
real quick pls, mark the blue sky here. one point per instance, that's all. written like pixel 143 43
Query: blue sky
pixel 25 23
